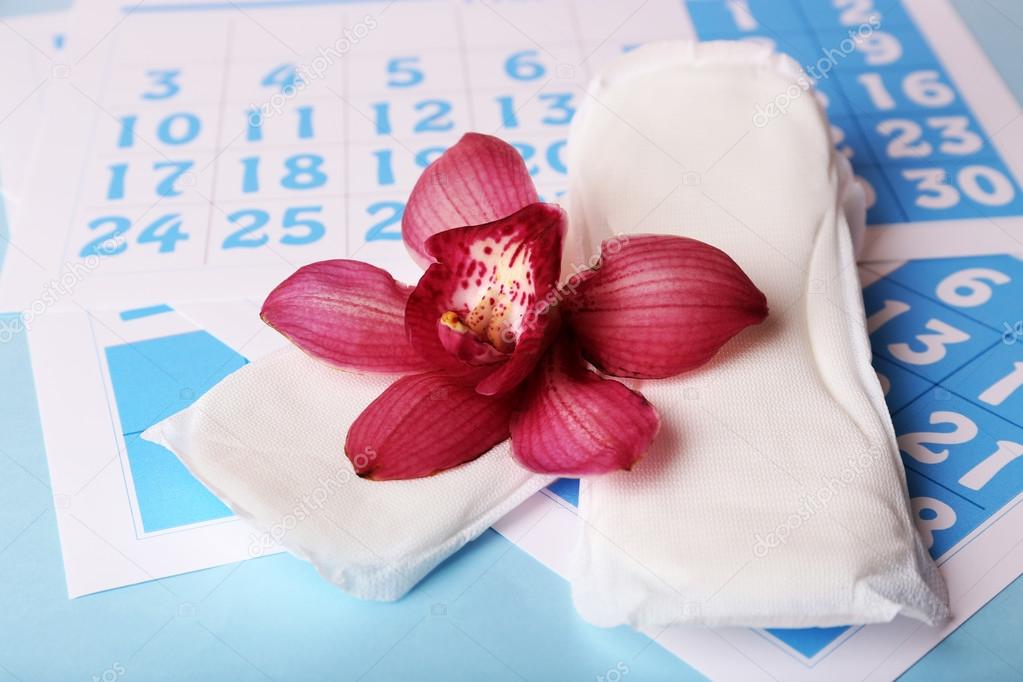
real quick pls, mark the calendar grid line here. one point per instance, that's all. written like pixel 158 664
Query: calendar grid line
pixel 221 113
pixel 89 146
pixel 942 485
pixel 580 40
pixel 464 58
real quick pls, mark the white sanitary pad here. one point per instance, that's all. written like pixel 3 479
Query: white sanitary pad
pixel 269 441
pixel 774 495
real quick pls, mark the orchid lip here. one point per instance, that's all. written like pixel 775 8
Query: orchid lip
pixel 481 301
pixel 465 343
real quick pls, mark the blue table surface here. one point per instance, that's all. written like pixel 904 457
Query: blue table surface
pixel 491 612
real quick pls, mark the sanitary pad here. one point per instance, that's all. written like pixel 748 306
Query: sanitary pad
pixel 269 441
pixel 774 495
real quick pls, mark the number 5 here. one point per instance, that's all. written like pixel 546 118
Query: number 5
pixel 403 72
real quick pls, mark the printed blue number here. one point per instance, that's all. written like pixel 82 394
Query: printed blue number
pixel 527 152
pixel 314 228
pixel 382 116
pixel 284 77
pixel 393 211
pixel 165 231
pixel 254 125
pixel 404 72
pixel 385 168
pixel 305 122
pixel 509 117
pixel 166 188
pixel 558 102
pixel 171 133
pixel 250 174
pixel 524 66
pixel 554 157
pixel 164 79
pixel 304 172
pixel 250 221
pixel 436 110
pixel 109 243
pixel 127 136
pixel 427 156
pixel 116 188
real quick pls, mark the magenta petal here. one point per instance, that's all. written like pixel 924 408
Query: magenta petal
pixel 423 424
pixel 347 313
pixel 660 305
pixel 479 180
pixel 573 422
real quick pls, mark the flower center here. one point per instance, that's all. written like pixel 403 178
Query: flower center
pixel 488 320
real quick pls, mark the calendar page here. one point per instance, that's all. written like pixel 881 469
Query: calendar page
pixel 127 510
pixel 207 149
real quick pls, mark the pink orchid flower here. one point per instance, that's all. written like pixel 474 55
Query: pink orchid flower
pixel 491 346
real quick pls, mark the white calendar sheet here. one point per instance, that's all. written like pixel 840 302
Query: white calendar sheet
pixel 127 510
pixel 207 149
pixel 198 152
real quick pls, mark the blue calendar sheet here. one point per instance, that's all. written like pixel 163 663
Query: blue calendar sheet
pixel 287 132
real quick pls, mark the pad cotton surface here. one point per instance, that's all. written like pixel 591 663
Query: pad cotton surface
pixel 774 495
pixel 269 441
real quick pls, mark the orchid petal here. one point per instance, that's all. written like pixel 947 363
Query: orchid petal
pixel 573 422
pixel 660 305
pixel 479 180
pixel 492 280
pixel 423 424
pixel 346 313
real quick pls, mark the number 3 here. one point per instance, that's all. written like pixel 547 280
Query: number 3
pixel 164 78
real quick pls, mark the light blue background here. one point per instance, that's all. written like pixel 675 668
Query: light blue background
pixel 490 613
